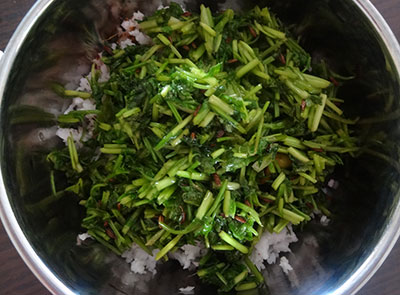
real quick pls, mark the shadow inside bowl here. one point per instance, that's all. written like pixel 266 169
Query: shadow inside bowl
pixel 60 47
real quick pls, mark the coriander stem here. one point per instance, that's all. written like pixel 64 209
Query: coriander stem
pixel 235 244
pixel 168 247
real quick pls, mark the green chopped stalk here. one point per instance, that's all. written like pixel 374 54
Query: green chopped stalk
pixel 295 210
pixel 240 155
pixel 318 163
pixel 112 151
pixel 293 142
pixel 193 175
pixel 174 112
pixel 218 199
pixel 190 228
pixel 194 166
pixel 247 68
pixel 280 226
pixel 235 50
pixel 204 110
pixel 166 194
pixel 166 42
pixel 81 94
pixel 67 119
pixel 149 24
pixel 270 32
pixel 253 91
pixel 217 42
pixel 134 67
pixel 131 221
pixel 206 203
pixel 175 23
pixel 240 277
pixel 105 127
pixel 208 29
pixel 207 120
pixel 53 183
pixel 254 270
pixel 290 216
pixel 203 272
pixel 228 16
pixel 233 186
pixel 318 113
pixel 339 119
pixel 118 216
pixel 217 153
pixel 299 92
pixel 260 127
pixel 165 90
pixel 165 169
pixel 298 155
pixel 235 244
pixel 73 154
pixel 227 117
pixel 253 213
pixel 246 286
pixel 188 28
pixel 223 106
pixel 316 81
pixel 198 53
pixel 147 144
pixel 104 242
pixel 222 247
pixel 221 277
pixel 207 20
pixel 227 203
pixel 114 146
pixel 254 118
pixel 140 243
pixel 119 237
pixel 222 139
pixel 168 247
pixel 173 133
pixel 261 74
pixel 176 166
pixel 178 139
pixel 278 181
pixel 308 177
pixel 166 182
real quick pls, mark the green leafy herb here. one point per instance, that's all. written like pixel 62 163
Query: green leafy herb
pixel 213 134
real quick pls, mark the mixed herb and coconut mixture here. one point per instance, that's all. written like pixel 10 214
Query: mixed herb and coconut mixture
pixel 213 133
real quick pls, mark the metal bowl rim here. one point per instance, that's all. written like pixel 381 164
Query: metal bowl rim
pixel 351 286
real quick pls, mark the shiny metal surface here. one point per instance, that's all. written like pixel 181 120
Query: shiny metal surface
pixel 57 36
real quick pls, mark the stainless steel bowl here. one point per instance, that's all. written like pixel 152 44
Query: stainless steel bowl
pixel 56 41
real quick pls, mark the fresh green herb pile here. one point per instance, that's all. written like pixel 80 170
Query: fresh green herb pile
pixel 215 133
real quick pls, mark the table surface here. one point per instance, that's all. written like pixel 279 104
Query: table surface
pixel 16 278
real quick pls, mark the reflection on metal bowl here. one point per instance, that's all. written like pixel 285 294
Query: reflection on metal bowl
pixel 56 42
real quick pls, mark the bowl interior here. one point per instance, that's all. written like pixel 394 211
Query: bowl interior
pixel 60 47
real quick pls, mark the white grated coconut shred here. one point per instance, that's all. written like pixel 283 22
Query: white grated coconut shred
pixel 141 262
pixel 284 264
pixel 82 237
pixel 187 290
pixel 188 255
pixel 131 26
pixel 325 220
pixel 270 245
